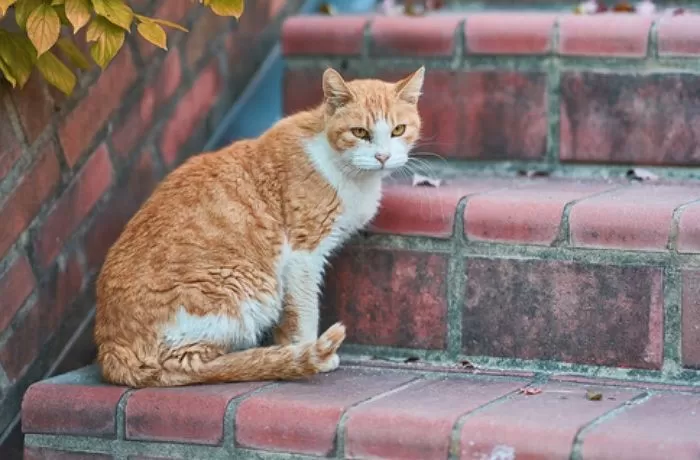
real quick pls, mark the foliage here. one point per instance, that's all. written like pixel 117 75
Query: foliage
pixel 41 26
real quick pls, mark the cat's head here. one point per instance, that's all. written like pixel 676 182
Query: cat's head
pixel 372 124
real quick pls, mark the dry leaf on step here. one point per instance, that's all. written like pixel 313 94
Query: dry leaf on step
pixel 425 181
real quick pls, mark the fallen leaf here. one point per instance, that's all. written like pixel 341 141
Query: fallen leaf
pixel 425 181
pixel 411 359
pixel 466 364
pixel 530 391
pixel 533 173
pixel 594 395
pixel 327 9
pixel 641 174
pixel 623 7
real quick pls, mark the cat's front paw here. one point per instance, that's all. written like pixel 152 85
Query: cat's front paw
pixel 330 364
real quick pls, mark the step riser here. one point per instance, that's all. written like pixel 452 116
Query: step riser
pixel 554 91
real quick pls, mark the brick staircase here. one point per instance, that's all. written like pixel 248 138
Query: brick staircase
pixel 537 304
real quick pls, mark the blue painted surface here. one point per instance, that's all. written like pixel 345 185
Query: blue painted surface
pixel 260 105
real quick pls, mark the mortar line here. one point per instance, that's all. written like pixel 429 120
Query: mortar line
pixel 120 416
pixel 675 224
pixel 460 48
pixel 456 284
pixel 672 320
pixel 577 444
pixel 553 94
pixel 229 438
pixel 652 40
pixel 339 442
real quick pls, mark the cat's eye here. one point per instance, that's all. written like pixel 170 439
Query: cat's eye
pixel 398 130
pixel 362 133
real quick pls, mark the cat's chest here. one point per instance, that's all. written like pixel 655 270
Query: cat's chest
pixel 359 204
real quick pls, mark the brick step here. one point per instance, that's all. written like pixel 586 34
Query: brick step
pixel 531 274
pixel 362 412
pixel 545 89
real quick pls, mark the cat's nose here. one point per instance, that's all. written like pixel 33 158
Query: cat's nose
pixel 382 157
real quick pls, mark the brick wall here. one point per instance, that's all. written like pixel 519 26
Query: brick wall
pixel 73 170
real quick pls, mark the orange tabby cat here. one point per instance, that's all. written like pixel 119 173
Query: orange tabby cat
pixel 234 243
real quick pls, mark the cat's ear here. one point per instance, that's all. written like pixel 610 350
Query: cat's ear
pixel 335 90
pixel 409 89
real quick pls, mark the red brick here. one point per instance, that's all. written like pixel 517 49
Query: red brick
pixel 275 7
pixel 191 415
pixel 135 126
pixel 34 105
pixel 271 420
pixel 626 118
pixel 22 347
pixel 10 148
pixel 691 318
pixel 605 35
pixel 632 218
pixel 431 36
pixel 123 204
pixel 529 214
pixel 425 211
pixel 15 286
pixel 203 33
pixel 678 36
pixel 40 453
pixel 416 422
pixel 65 288
pixel 26 200
pixel 689 230
pixel 303 89
pixel 509 33
pixel 572 312
pixel 172 10
pixel 169 78
pixel 542 426
pixel 190 111
pixel 391 298
pixel 72 207
pixel 665 426
pixel 340 35
pixel 504 115
pixel 64 409
pixel 106 95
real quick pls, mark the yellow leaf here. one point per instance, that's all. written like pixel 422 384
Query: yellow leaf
pixel 108 40
pixel 153 33
pixel 4 5
pixel 162 22
pixel 56 73
pixel 73 53
pixel 115 11
pixel 23 9
pixel 78 12
pixel 43 28
pixel 57 2
pixel 226 7
pixel 18 56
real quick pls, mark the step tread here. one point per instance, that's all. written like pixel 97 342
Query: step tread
pixel 375 412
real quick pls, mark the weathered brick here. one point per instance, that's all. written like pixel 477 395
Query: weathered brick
pixel 530 213
pixel 416 422
pixel 22 347
pixel 616 35
pixel 24 202
pixel 509 33
pixel 632 218
pixel 542 426
pixel 72 207
pixel 125 201
pixel 425 211
pixel 665 426
pixel 689 230
pixel 190 111
pixel 385 297
pixel 691 318
pixel 303 89
pixel 82 124
pixel 270 420
pixel 341 35
pixel 65 409
pixel 41 453
pixel 34 105
pixel 432 36
pixel 205 30
pixel 572 312
pixel 15 286
pixel 678 36
pixel 504 115
pixel 192 415
pixel 10 149
pixel 630 118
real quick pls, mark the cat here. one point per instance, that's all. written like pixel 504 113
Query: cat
pixel 234 243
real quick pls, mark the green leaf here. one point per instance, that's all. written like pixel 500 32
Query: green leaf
pixel 162 22
pixel 226 7
pixel 57 2
pixel 56 73
pixel 18 56
pixel 153 33
pixel 116 11
pixel 4 5
pixel 108 40
pixel 6 72
pixel 78 13
pixel 73 53
pixel 43 28
pixel 23 9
